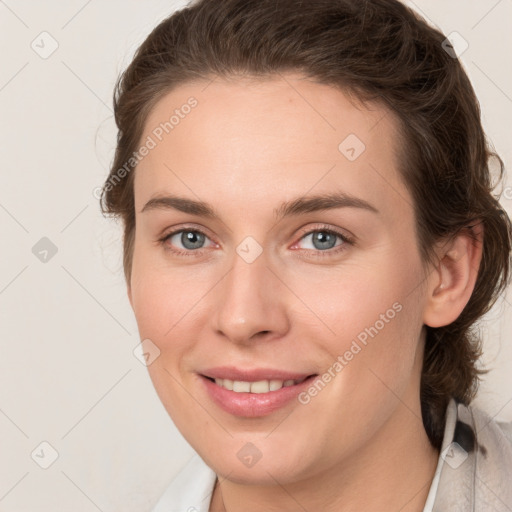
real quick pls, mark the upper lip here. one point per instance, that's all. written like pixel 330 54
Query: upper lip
pixel 252 374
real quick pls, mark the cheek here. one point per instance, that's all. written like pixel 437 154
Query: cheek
pixel 354 298
pixel 164 311
pixel 371 317
pixel 371 353
pixel 162 297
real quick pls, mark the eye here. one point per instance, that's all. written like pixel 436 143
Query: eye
pixel 184 241
pixel 323 240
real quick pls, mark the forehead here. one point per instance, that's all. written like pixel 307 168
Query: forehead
pixel 270 140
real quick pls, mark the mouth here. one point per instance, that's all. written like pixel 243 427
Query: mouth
pixel 252 394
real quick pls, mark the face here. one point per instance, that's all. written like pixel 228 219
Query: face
pixel 275 241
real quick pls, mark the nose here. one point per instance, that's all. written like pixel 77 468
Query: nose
pixel 250 302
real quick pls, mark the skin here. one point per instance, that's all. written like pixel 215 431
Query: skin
pixel 247 147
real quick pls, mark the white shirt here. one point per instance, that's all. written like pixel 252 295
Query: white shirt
pixel 469 477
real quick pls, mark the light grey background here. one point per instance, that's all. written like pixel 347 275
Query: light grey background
pixel 68 376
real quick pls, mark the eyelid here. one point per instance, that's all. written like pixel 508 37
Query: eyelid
pixel 167 233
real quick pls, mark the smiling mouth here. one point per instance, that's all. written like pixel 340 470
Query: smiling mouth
pixel 257 387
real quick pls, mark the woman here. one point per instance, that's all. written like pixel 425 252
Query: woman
pixel 309 236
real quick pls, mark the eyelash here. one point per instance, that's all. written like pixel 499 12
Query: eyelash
pixel 346 240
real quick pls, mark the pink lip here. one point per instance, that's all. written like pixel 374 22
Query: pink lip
pixel 251 375
pixel 253 405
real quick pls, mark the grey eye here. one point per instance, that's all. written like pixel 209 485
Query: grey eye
pixel 189 239
pixel 322 240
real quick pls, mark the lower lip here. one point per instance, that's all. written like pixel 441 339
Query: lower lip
pixel 252 405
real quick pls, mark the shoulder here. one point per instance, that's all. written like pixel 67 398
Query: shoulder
pixel 190 490
pixel 477 461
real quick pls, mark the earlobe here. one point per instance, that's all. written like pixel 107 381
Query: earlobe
pixel 452 281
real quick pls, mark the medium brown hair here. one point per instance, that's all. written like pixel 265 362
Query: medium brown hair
pixel 377 50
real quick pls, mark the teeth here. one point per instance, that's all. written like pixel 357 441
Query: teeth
pixel 241 387
pixel 261 386
pixel 274 385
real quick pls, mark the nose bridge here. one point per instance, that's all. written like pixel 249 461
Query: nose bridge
pixel 249 301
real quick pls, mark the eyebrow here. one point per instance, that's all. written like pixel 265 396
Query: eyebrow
pixel 298 206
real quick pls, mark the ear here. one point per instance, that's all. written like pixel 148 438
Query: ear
pixel 452 281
